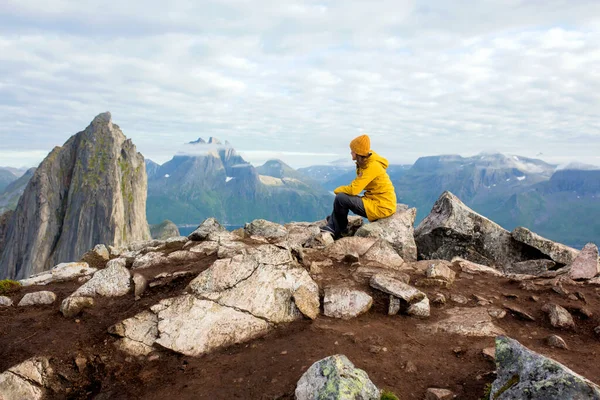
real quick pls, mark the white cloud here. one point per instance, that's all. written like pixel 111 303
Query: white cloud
pixel 305 77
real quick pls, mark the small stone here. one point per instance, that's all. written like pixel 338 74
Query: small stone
pixel 441 271
pixel 559 317
pixel 459 298
pixel 597 330
pixel 375 349
pixel 438 298
pixel 71 306
pixel 394 306
pixel 153 357
pixel 307 301
pixel 489 353
pixel 497 313
pixel 438 394
pixel 481 299
pixel 140 284
pixel 556 341
pixel 420 309
pixel 5 301
pixel 581 296
pixel 81 363
pixel 585 265
pixel 410 367
pixel 283 352
pixel 535 298
pixel 572 297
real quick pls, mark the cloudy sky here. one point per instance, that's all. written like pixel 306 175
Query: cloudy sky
pixel 298 80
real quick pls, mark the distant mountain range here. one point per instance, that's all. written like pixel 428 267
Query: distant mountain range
pixel 563 205
pixel 213 180
pixel 217 182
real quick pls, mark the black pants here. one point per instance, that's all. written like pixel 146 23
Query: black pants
pixel 343 203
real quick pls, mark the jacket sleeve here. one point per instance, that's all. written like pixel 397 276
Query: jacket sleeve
pixel 359 183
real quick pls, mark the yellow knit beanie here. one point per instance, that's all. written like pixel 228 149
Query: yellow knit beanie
pixel 361 145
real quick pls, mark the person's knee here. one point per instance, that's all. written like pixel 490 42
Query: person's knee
pixel 341 198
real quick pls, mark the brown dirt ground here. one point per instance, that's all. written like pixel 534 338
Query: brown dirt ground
pixel 269 367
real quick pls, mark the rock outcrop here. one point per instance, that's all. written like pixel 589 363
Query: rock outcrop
pixel 454 230
pixel 92 190
pixel 524 374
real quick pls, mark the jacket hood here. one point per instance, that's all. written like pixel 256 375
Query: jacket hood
pixel 377 158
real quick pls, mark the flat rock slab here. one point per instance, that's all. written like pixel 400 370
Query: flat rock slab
pixel 557 252
pixel 525 374
pixel 586 264
pixel 336 377
pixel 474 268
pixel 267 229
pixel 519 312
pixel 465 321
pixel 193 327
pixel 345 303
pixel 397 288
pixel 60 273
pixel 5 301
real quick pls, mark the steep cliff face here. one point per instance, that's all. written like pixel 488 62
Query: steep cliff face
pixel 91 190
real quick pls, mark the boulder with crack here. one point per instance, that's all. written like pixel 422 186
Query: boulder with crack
pixel 525 374
pixel 224 274
pixel 398 230
pixel 557 252
pixel 26 380
pixel 452 229
pixel 466 322
pixel 335 377
pixel 192 326
pixel 382 253
pixel 137 333
pixel 345 303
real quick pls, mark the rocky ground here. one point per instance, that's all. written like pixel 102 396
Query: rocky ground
pixel 262 350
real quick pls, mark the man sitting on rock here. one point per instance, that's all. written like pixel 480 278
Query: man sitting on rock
pixel 379 200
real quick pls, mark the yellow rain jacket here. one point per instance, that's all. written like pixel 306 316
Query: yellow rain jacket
pixel 380 197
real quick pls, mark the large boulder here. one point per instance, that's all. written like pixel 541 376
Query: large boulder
pixel 524 374
pixel 113 281
pixel 586 265
pixel 91 190
pixel 345 303
pixel 37 298
pixel 267 229
pixel 193 327
pixel 26 380
pixel 208 227
pixel 164 230
pixel 398 230
pixel 264 283
pixel 335 377
pixel 557 252
pixel 454 230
